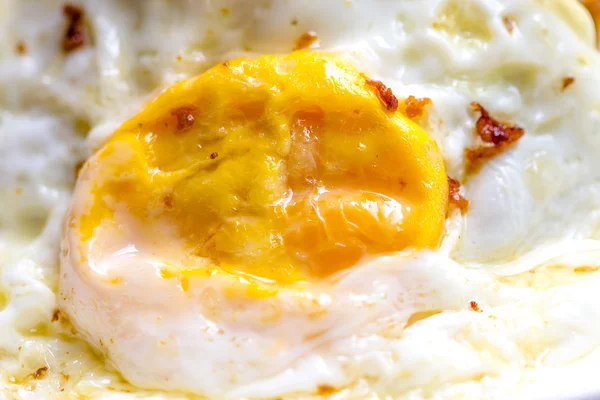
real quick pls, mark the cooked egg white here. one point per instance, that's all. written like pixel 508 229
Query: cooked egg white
pixel 497 302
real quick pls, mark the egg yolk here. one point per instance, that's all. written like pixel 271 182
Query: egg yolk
pixel 283 168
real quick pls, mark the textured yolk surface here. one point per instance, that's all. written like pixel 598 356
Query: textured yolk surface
pixel 283 167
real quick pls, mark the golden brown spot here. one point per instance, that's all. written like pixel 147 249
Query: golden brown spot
pixel 492 131
pixel 178 58
pixel 456 199
pixel 18 190
pixel 185 117
pixel 496 138
pixel 76 34
pixel 567 81
pixel 214 155
pixel 324 390
pixel 55 315
pixel 509 24
pixel 414 107
pixel 385 94
pixel 66 377
pixel 40 373
pixel 168 201
pixel 585 270
pixel 294 22
pixel 224 11
pixel 474 306
pixel 21 47
pixel 305 40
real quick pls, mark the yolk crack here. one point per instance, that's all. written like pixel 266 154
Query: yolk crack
pixel 284 168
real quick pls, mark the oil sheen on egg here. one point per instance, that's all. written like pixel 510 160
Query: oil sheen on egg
pixel 238 199
pixel 255 221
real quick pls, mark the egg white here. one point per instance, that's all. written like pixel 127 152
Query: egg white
pixel 533 217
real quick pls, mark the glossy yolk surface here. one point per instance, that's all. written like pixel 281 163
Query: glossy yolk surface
pixel 286 168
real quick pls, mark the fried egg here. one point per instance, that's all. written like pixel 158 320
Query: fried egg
pixel 268 199
pixel 231 197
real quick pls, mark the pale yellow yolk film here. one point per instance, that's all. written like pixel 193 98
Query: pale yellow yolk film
pixel 286 168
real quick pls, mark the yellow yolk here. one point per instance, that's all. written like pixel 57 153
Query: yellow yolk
pixel 285 168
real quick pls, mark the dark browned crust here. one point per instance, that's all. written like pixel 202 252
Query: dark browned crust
pixel 185 117
pixel 414 107
pixel 40 373
pixel 21 48
pixel 55 315
pixel 567 81
pixel 76 35
pixel 509 24
pixel 454 196
pixel 168 201
pixel 474 306
pixel 385 94
pixel 496 137
pixel 305 40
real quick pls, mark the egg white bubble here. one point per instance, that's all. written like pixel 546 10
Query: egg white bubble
pixel 526 251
